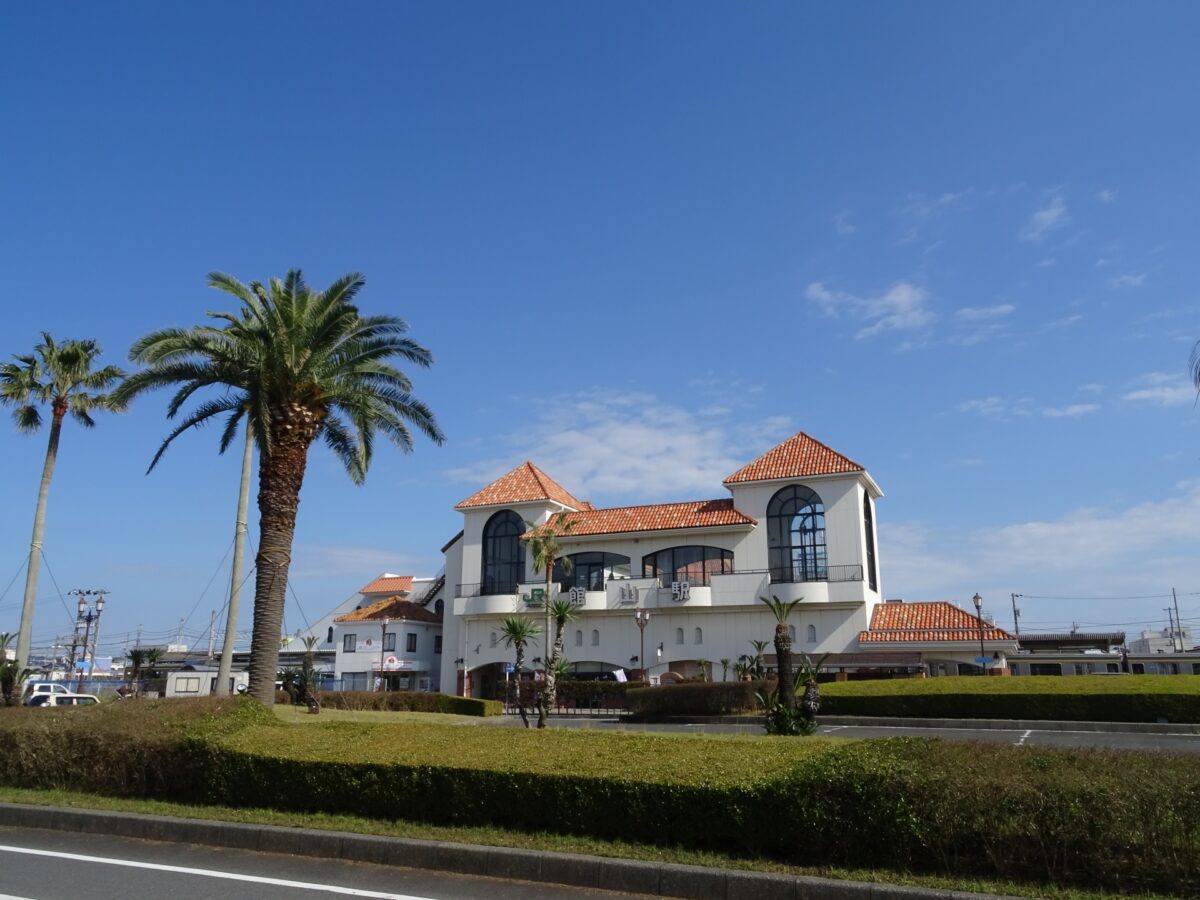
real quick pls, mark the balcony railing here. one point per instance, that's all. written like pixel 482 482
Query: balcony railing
pixel 790 575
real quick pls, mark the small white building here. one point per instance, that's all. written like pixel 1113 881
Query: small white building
pixel 1165 640
pixel 198 680
pixel 389 641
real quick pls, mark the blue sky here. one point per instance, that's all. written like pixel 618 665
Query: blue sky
pixel 644 242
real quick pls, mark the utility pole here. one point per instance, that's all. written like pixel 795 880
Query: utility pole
pixel 212 632
pixel 1178 622
pixel 1171 624
pixel 1016 616
pixel 224 670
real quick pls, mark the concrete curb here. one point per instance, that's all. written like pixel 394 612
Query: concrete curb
pixel 603 873
pixel 966 724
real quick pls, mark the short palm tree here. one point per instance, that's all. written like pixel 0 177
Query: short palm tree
pixel 300 365
pixel 759 648
pixel 518 631
pixel 61 376
pixel 725 664
pixel 11 673
pixel 561 612
pixel 137 662
pixel 783 647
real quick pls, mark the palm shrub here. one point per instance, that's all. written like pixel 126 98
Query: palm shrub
pixel 11 673
pixel 62 376
pixel 300 365
pixel 795 714
pixel 783 646
pixel 561 612
pixel 757 663
pixel 517 632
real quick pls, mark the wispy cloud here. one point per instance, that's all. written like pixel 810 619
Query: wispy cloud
pixel 980 313
pixel 1127 280
pixel 1049 217
pixel 1162 389
pixel 903 307
pixel 842 224
pixel 1072 411
pixel 1108 195
pixel 1065 321
pixel 997 407
pixel 1091 388
pixel 919 210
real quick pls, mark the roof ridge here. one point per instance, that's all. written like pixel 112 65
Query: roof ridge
pixel 728 500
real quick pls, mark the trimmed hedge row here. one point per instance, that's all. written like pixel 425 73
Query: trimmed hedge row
pixel 410 701
pixel 714 698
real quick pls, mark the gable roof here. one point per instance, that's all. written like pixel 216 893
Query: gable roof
pixel 523 484
pixel 797 457
pixel 391 608
pixel 932 622
pixel 656 517
pixel 389 584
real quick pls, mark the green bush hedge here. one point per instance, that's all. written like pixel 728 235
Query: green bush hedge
pixel 1133 698
pixel 714 698
pixel 410 701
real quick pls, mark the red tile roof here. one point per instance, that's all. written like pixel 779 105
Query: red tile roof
pixel 925 623
pixel 797 457
pixel 394 608
pixel 657 517
pixel 389 584
pixel 524 483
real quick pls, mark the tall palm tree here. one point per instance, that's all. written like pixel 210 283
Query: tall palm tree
pixel 781 609
pixel 561 612
pixel 546 549
pixel 518 631
pixel 300 365
pixel 61 376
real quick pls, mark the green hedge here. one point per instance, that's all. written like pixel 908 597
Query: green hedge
pixel 714 698
pixel 410 701
pixel 1134 698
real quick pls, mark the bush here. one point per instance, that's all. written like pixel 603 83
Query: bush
pixel 410 701
pixel 714 698
pixel 1082 698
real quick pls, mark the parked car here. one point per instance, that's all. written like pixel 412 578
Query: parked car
pixel 57 700
pixel 35 689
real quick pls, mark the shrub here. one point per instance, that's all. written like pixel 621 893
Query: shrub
pixel 410 701
pixel 712 698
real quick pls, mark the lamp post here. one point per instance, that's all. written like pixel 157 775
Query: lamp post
pixel 978 601
pixel 86 616
pixel 383 650
pixel 642 616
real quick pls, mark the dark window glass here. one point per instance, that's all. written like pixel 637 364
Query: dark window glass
pixel 389 642
pixel 348 642
pixel 437 643
pixel 796 536
pixel 329 637
pixel 591 570
pixel 503 553
pixel 410 643
pixel 693 563
pixel 869 523
pixel 439 607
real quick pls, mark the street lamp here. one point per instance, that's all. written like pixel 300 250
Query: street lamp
pixel 978 601
pixel 642 616
pixel 383 650
pixel 85 616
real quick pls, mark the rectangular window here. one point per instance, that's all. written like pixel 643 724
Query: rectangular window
pixel 410 643
pixel 349 641
pixel 354 681
pixel 437 643
pixel 389 642
pixel 188 685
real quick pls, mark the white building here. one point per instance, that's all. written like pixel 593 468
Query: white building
pixel 1165 640
pixel 799 522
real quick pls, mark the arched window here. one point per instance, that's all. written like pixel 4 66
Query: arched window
pixel 869 524
pixel 678 635
pixel 796 536
pixel 698 637
pixel 493 639
pixel 503 553
pixel 578 638
pixel 591 570
pixel 329 637
pixel 595 637
pixel 693 564
pixel 812 634
pixel 439 607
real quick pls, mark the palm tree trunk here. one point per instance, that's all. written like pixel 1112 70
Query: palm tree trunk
pixel 520 699
pixel 548 660
pixel 281 475
pixel 783 660
pixel 239 553
pixel 25 631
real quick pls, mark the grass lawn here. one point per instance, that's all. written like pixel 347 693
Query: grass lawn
pixel 1018 684
pixel 298 715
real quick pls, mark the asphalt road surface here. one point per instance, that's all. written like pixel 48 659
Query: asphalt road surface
pixel 1020 737
pixel 50 865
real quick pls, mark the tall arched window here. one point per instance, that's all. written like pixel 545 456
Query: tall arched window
pixel 595 637
pixel 869 524
pixel 439 607
pixel 796 536
pixel 678 635
pixel 493 639
pixel 812 634
pixel 503 553
pixel 578 637
pixel 698 637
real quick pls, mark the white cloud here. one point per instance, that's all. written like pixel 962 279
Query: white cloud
pixel 996 407
pixel 920 210
pixel 1108 195
pixel 1071 411
pixel 1091 388
pixel 1162 389
pixel 978 313
pixel 1127 280
pixel 842 224
pixel 631 447
pixel 1051 216
pixel 1066 321
pixel 903 307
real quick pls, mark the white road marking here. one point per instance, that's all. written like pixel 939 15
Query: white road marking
pixel 210 873
pixel 830 729
pixel 1024 737
pixel 11 897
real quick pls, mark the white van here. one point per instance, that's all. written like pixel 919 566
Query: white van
pixel 40 688
pixel 57 700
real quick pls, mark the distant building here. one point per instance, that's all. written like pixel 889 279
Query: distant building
pixel 1162 641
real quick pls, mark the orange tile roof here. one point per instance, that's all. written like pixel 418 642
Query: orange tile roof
pixel 657 517
pixel 392 608
pixel 389 584
pixel 524 483
pixel 797 457
pixel 927 622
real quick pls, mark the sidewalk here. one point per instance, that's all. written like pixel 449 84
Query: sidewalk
pixel 602 873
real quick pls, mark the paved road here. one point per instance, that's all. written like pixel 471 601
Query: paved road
pixel 47 865
pixel 1174 743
